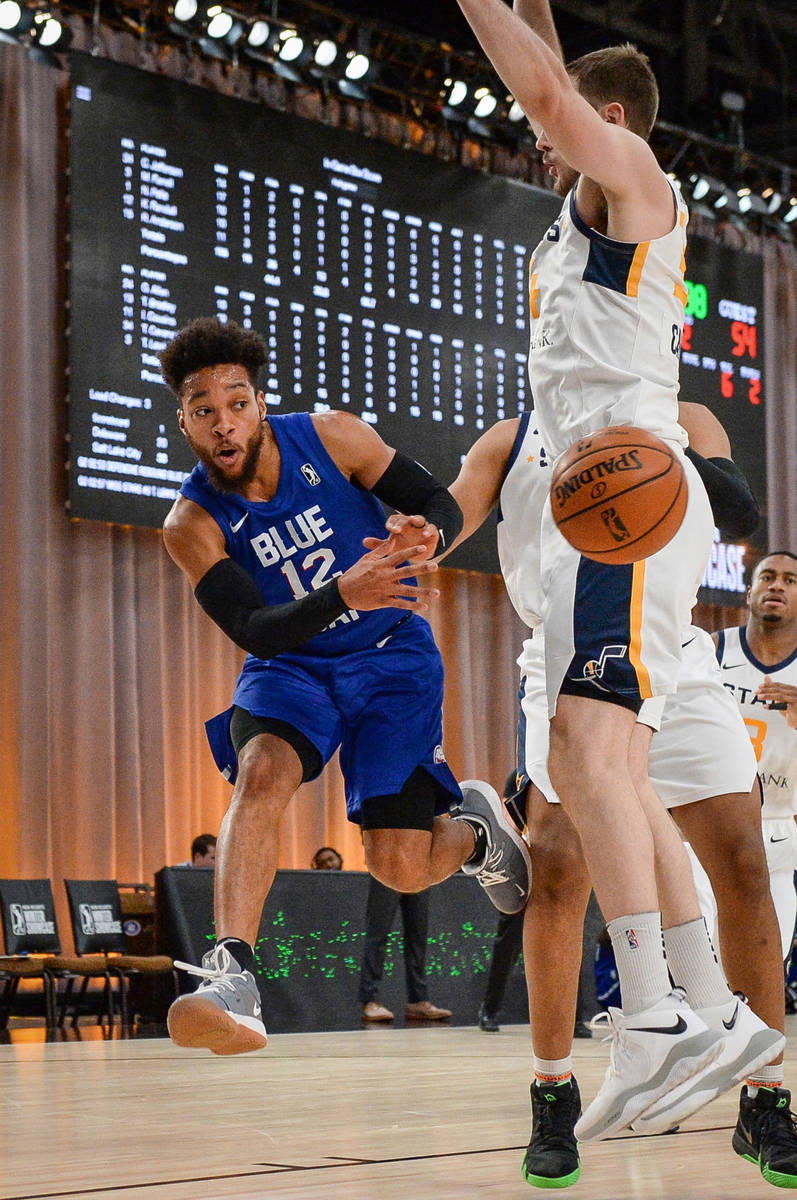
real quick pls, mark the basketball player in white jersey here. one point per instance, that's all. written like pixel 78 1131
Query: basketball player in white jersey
pixel 701 752
pixel 758 662
pixel 607 296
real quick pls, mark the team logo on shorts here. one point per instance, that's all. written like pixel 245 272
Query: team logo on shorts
pixel 439 757
pixel 594 669
pixel 310 474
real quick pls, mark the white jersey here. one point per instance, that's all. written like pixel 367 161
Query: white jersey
pixel 774 742
pixel 520 504
pixel 606 324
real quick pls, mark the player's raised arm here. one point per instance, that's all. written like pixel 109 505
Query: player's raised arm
pixel 602 150
pixel 538 16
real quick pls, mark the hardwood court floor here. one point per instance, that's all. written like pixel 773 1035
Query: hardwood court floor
pixel 379 1114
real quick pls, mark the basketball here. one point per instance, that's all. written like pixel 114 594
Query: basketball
pixel 619 495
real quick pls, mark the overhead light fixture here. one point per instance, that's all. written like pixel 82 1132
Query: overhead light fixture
pixel 791 214
pixel 722 200
pixel 185 10
pixel 455 93
pixel 14 19
pixel 325 53
pixel 701 186
pixel 515 113
pixel 745 199
pixel 485 105
pixel 220 23
pixel 357 66
pixel 258 34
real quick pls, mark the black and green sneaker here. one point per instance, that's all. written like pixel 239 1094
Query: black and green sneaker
pixel 551 1160
pixel 766 1134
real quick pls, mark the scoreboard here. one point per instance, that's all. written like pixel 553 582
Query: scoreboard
pixel 384 282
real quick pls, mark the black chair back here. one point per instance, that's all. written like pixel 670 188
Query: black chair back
pixel 28 912
pixel 96 914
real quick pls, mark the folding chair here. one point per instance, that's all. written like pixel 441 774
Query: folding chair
pixel 33 951
pixel 96 912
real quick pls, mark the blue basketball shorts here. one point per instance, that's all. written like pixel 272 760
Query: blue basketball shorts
pixel 381 706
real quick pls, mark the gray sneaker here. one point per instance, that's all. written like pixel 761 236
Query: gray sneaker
pixel 505 872
pixel 223 1014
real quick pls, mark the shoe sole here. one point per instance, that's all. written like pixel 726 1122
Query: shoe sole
pixel 547 1181
pixel 508 827
pixel 762 1048
pixel 699 1061
pixel 776 1178
pixel 197 1023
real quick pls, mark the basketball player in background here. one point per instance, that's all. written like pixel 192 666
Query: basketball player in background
pixel 703 770
pixel 268 530
pixel 758 663
pixel 607 299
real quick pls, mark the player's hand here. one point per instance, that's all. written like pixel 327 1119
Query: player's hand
pixel 780 693
pixel 405 533
pixel 377 579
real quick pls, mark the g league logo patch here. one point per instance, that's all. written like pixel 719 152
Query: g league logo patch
pixel 310 474
pixel 86 918
pixel 18 924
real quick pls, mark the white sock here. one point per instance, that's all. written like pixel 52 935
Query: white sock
pixel 553 1070
pixel 694 966
pixel 639 954
pixel 767 1077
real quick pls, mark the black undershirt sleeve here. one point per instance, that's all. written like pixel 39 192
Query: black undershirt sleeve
pixel 733 504
pixel 410 488
pixel 231 598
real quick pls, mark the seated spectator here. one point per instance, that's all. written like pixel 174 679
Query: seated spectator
pixel 326 859
pixel 203 852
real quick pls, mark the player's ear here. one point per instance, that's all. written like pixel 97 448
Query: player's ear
pixel 181 419
pixel 614 113
pixel 261 404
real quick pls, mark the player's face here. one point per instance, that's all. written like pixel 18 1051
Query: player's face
pixel 772 596
pixel 563 175
pixel 222 417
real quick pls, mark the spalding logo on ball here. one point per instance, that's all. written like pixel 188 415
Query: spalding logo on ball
pixel 619 495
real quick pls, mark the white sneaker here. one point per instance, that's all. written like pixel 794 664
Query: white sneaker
pixel 651 1052
pixel 747 1044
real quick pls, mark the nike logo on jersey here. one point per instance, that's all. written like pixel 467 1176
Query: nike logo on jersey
pixel 730 666
pixel 678 1028
pixel 384 641
pixel 238 524
pixel 689 643
pixel 774 840
pixel 730 1024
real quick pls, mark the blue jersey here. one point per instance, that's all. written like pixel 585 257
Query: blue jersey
pixel 311 531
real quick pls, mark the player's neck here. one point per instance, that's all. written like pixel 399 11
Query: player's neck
pixel 263 486
pixel 773 643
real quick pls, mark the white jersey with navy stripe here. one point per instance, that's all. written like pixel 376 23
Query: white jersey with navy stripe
pixel 606 323
pixel 520 504
pixel 774 742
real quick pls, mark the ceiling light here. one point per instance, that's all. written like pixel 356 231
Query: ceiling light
pixel 485 103
pixel 325 53
pixel 358 65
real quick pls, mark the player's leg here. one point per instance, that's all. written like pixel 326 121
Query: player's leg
pixel 223 1014
pixel 554 918
pixel 284 735
pixel 398 784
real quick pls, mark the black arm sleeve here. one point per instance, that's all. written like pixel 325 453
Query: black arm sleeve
pixel 410 488
pixel 733 504
pixel 231 598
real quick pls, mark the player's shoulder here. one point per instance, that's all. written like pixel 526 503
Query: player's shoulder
pixel 184 516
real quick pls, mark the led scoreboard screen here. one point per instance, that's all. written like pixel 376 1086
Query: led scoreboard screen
pixel 385 283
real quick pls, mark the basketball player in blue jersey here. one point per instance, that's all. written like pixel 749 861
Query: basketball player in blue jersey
pixel 269 531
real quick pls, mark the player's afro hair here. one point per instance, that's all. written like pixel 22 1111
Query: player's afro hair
pixel 207 342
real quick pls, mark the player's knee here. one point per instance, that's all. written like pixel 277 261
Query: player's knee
pixel 558 868
pixel 262 782
pixel 396 866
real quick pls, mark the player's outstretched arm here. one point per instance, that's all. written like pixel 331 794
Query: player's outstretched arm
pixel 477 487
pixel 427 516
pixel 733 504
pixel 619 161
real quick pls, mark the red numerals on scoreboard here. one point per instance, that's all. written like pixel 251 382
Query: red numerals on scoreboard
pixel 744 339
pixel 754 392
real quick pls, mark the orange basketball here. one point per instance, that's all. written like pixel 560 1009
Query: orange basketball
pixel 619 495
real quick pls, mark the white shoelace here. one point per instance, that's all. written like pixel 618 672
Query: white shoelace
pixel 219 973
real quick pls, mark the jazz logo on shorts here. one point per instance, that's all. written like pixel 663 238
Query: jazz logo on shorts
pixel 595 667
pixel 633 940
